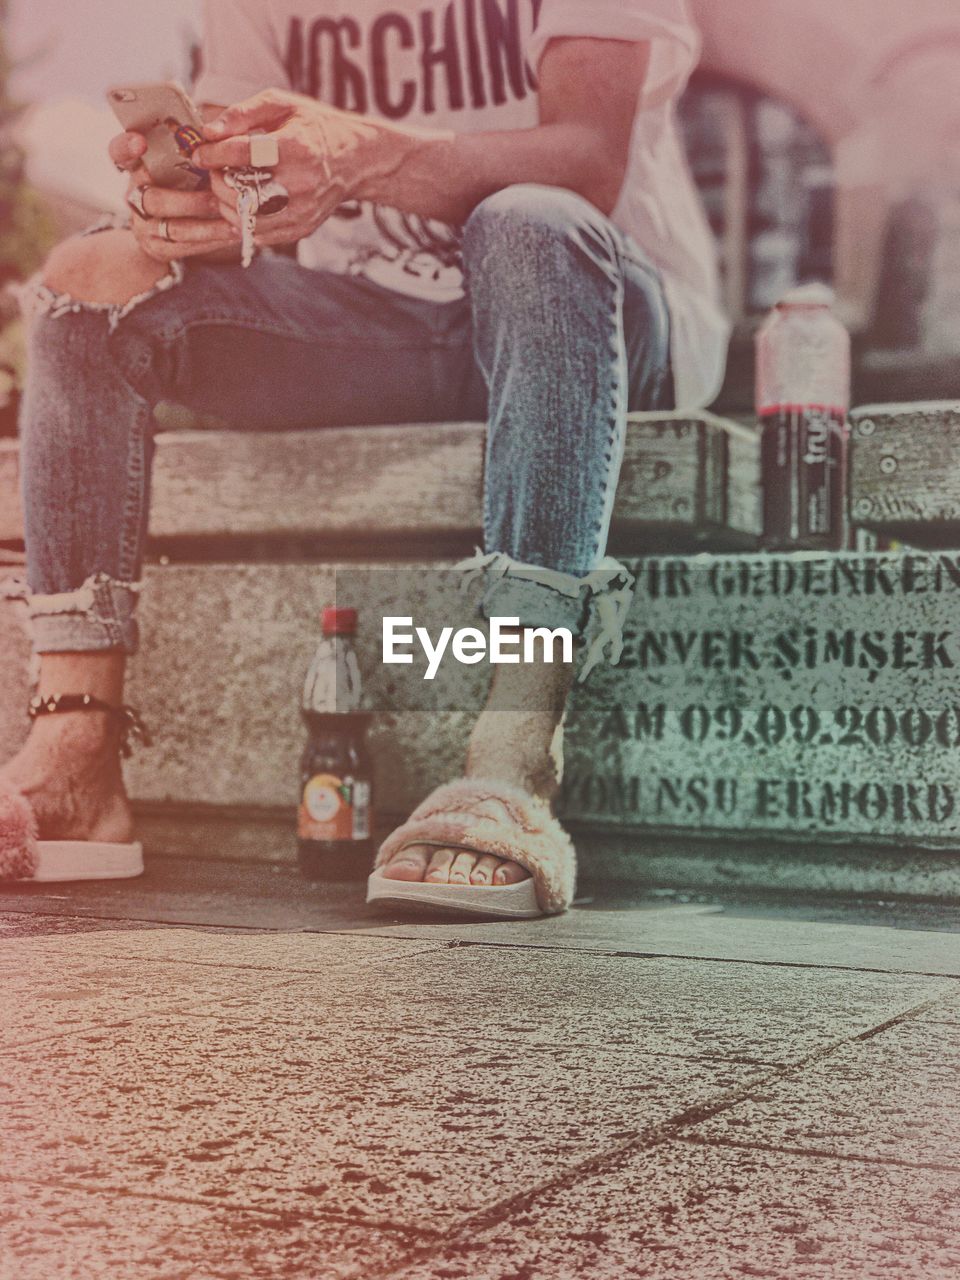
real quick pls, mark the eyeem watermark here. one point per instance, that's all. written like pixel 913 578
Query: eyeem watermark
pixel 470 645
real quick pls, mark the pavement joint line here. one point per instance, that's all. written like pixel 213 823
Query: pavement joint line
pixel 909 1015
pixel 457 943
pixel 425 947
pixel 204 925
pixel 7 914
pixel 285 972
pixel 590 1046
pixel 853 1157
pixel 198 925
pixel 453 944
pixel 386 1225
pixel 138 920
pixel 466 943
pixel 647 1139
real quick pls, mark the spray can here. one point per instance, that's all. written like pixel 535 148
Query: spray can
pixel 803 395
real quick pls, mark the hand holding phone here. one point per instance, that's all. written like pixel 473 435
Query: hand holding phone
pixel 170 125
pixel 177 214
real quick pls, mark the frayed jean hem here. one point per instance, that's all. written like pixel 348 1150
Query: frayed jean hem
pixel 594 607
pixel 96 617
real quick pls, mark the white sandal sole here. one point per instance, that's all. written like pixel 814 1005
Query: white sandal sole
pixel 85 860
pixel 505 901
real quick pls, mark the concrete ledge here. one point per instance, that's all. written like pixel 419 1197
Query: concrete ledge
pixel 682 474
pixel 801 697
pixel 641 861
pixel 905 471
pixel 656 860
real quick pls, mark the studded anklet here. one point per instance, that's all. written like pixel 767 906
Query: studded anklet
pixel 131 725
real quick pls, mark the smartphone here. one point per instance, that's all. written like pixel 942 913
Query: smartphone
pixel 172 126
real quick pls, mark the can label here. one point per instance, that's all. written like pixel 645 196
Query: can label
pixel 333 808
pixel 803 464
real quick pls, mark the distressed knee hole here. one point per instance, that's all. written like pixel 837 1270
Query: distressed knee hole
pixel 107 273
pixel 107 270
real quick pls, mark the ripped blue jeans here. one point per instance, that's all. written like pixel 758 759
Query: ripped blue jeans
pixel 562 331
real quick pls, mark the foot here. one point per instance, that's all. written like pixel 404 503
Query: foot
pixel 69 770
pixel 451 866
pixel 518 747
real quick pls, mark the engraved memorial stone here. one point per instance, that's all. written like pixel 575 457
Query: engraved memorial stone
pixel 803 694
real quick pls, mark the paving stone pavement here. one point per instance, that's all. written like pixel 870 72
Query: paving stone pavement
pixel 659 1091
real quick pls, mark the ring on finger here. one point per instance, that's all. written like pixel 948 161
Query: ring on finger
pixel 273 198
pixel 135 199
pixel 163 230
pixel 264 151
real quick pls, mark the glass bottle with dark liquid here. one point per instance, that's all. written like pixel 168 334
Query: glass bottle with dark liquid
pixel 334 820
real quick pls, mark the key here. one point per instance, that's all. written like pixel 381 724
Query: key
pixel 246 183
pixel 257 192
pixel 247 205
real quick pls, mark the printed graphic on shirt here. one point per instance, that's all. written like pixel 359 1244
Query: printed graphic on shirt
pixel 467 54
pixel 464 56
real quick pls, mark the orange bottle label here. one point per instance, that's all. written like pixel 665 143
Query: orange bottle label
pixel 333 808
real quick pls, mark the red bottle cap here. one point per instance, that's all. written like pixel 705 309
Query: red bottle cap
pixel 338 622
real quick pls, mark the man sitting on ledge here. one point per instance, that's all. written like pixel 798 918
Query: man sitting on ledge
pixel 495 219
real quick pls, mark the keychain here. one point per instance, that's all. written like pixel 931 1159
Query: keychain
pixel 258 192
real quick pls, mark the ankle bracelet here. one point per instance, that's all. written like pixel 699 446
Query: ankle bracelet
pixel 131 725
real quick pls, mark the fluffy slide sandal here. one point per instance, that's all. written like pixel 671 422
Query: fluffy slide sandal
pixel 24 858
pixel 484 816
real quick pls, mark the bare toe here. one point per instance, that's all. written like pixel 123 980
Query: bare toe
pixel 462 866
pixel 409 864
pixel 510 873
pixel 482 873
pixel 439 870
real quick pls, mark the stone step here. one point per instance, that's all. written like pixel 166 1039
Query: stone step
pixel 905 471
pixel 640 860
pixel 797 697
pixel 692 478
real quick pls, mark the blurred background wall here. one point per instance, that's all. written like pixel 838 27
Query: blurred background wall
pixel 824 136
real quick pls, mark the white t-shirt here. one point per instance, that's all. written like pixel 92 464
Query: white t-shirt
pixel 466 66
